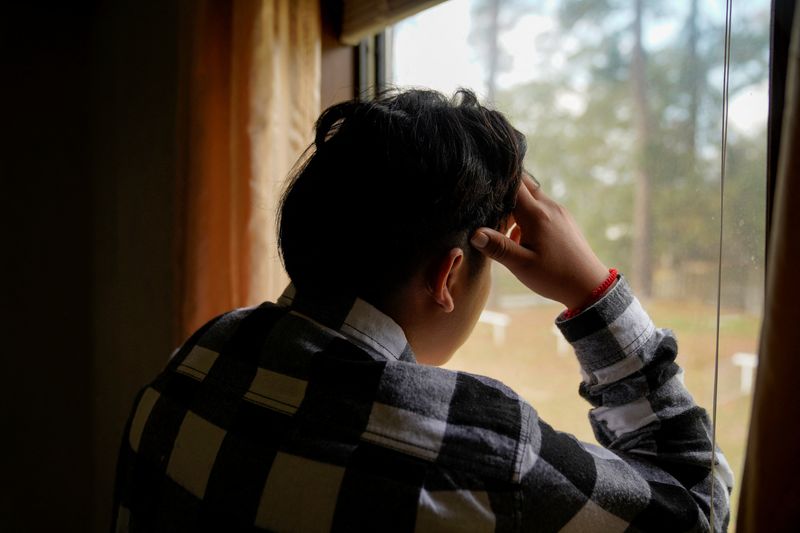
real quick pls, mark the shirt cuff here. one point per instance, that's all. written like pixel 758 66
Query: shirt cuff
pixel 609 336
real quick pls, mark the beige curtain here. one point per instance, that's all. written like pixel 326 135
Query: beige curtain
pixel 250 93
pixel 770 497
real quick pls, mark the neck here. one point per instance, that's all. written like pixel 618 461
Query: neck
pixel 423 321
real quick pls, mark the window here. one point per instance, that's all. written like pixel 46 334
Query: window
pixel 621 105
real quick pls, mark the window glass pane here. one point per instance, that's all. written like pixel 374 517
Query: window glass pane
pixel 623 128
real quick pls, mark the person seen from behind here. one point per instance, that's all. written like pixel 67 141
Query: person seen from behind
pixel 328 410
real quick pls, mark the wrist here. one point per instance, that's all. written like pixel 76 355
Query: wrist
pixel 601 284
pixel 587 277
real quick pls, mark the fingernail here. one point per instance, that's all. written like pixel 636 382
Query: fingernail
pixel 479 240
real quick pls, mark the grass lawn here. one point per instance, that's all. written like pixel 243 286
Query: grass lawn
pixel 528 361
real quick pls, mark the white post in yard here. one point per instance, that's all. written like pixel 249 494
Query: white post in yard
pixel 499 323
pixel 747 362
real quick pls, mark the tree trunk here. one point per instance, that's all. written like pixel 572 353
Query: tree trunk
pixel 693 82
pixel 493 37
pixel 642 274
pixel 493 63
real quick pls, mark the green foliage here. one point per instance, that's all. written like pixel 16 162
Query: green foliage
pixel 578 116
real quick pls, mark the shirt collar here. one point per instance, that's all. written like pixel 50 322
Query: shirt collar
pixel 354 319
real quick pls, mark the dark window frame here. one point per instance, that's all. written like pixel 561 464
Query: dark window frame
pixel 371 65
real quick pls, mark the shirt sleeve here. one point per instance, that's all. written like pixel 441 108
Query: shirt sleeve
pixel 653 471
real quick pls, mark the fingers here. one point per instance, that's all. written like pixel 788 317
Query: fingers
pixel 529 209
pixel 535 188
pixel 525 199
pixel 531 184
pixel 501 248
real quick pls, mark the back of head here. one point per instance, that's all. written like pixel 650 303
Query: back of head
pixel 392 182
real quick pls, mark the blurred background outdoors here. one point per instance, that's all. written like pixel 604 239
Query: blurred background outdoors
pixel 621 102
pixel 173 125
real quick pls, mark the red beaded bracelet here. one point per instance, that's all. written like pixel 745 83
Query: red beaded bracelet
pixel 597 292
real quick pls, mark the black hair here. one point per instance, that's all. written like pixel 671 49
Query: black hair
pixel 391 182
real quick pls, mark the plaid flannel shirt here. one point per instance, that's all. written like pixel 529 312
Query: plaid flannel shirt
pixel 314 416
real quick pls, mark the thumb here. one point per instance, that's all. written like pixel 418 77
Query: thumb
pixel 500 248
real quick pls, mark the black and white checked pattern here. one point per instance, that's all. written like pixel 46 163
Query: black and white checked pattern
pixel 314 416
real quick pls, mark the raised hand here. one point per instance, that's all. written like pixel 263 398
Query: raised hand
pixel 545 250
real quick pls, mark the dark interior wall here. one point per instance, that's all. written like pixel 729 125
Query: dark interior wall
pixel 135 155
pixel 338 71
pixel 90 96
pixel 88 164
pixel 47 261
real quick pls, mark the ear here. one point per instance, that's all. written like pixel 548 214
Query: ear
pixel 443 274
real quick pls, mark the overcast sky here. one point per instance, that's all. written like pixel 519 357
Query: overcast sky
pixel 431 50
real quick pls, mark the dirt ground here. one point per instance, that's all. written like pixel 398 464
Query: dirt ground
pixel 529 362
